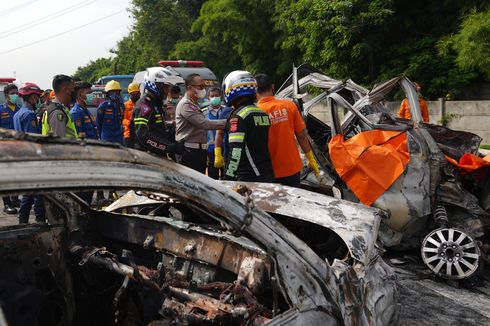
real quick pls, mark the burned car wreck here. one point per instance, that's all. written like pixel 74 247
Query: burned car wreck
pixel 187 250
pixel 407 168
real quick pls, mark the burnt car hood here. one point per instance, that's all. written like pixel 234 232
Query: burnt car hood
pixel 356 224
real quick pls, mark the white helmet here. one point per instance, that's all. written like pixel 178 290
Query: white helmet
pixel 162 75
pixel 238 83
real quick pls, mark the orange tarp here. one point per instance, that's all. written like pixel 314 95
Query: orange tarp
pixel 469 162
pixel 370 162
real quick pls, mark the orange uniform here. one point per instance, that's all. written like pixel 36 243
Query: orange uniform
pixel 285 122
pixel 128 111
pixel 405 110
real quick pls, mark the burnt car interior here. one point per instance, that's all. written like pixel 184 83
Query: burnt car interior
pixel 169 262
pixel 456 203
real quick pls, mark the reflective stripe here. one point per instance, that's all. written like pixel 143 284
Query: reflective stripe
pixel 236 137
pixel 252 163
pixel 196 145
pixel 140 119
pixel 141 123
pixel 243 113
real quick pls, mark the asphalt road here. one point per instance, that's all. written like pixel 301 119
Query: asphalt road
pixel 425 300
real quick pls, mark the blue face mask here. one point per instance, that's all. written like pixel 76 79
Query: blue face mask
pixel 215 101
pixel 174 101
pixel 113 96
pixel 14 98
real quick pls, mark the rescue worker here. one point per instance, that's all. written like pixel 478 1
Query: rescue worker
pixel 84 122
pixel 25 120
pixel 134 96
pixel 248 127
pixel 56 119
pixel 148 130
pixel 404 111
pixel 85 125
pixel 7 112
pixel 191 125
pixel 287 126
pixel 212 112
pixel 110 114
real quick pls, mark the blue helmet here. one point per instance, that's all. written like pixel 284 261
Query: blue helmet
pixel 238 83
pixel 152 88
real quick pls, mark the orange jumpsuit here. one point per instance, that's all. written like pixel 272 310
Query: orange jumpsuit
pixel 128 111
pixel 405 110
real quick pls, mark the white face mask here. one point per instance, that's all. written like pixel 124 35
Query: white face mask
pixel 201 93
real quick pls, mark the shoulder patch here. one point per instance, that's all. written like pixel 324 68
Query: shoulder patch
pixel 145 110
pixel 233 124
pixel 33 123
pixel 78 122
pixel 59 116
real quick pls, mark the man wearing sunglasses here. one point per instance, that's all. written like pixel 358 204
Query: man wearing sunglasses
pixel 192 125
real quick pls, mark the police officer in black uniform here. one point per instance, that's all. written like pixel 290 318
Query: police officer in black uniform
pixel 147 129
pixel 248 128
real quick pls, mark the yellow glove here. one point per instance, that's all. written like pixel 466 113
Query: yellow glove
pixel 219 160
pixel 312 164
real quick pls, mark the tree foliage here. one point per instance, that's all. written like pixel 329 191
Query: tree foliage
pixel 95 69
pixel 441 44
pixel 471 43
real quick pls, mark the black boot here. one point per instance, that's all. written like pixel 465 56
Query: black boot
pixel 9 209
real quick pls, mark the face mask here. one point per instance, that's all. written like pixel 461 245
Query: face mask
pixel 215 101
pixel 114 96
pixel 201 93
pixel 174 101
pixel 134 98
pixel 39 104
pixel 14 98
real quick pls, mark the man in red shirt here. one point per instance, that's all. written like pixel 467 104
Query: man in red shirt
pixel 287 126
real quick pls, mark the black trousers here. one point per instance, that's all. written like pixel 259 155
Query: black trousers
pixel 195 159
pixel 11 201
pixel 213 172
pixel 292 180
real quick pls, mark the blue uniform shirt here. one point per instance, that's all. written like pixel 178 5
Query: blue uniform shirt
pixel 7 116
pixel 109 121
pixel 211 133
pixel 83 121
pixel 225 114
pixel 25 120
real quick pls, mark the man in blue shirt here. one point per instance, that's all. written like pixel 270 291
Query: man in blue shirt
pixel 110 114
pixel 83 120
pixel 25 120
pixel 214 112
pixel 7 112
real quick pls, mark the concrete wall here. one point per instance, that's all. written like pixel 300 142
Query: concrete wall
pixel 472 116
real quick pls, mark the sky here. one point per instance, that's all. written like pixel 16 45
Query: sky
pixel 24 22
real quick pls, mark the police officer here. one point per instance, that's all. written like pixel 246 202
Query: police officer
pixel 192 125
pixel 248 128
pixel 110 114
pixel 7 112
pixel 148 123
pixel 25 120
pixel 84 122
pixel 56 119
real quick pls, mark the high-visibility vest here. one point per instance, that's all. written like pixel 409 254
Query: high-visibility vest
pixel 70 131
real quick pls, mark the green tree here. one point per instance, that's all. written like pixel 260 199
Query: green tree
pixel 471 43
pixel 95 69
pixel 234 35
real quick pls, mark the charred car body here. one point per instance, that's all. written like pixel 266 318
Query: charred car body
pixel 194 252
pixel 430 203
